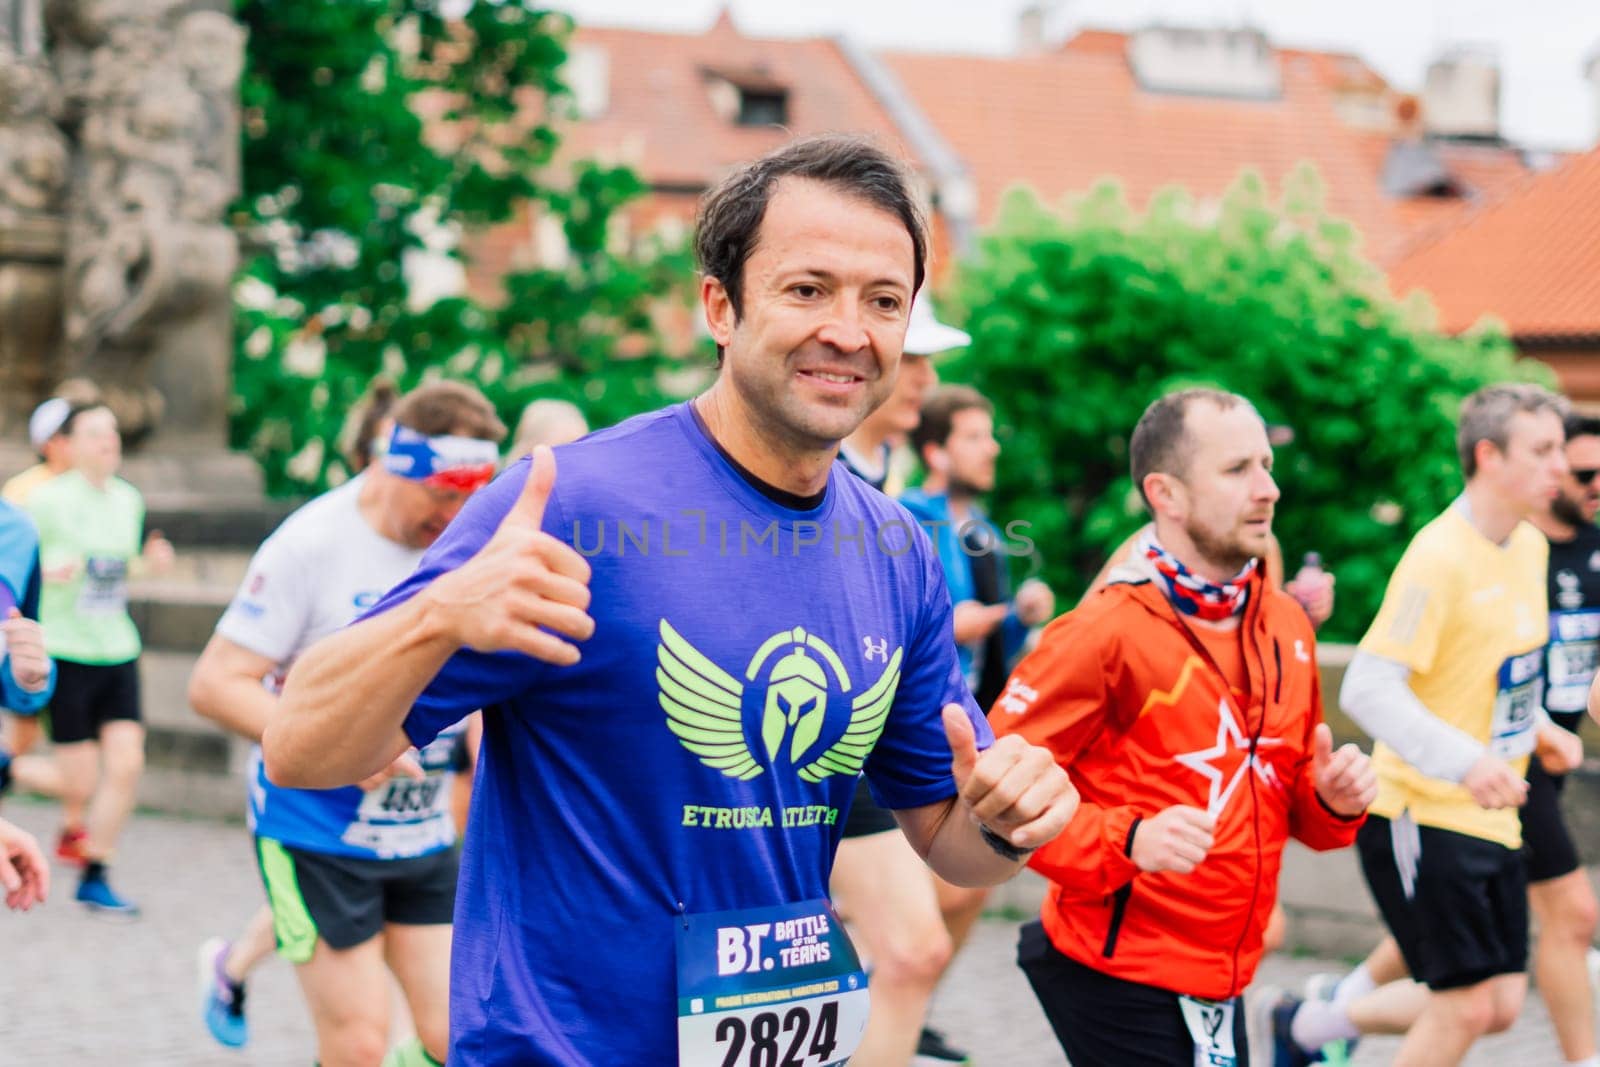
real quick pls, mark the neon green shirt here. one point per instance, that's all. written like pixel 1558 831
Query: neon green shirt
pixel 97 533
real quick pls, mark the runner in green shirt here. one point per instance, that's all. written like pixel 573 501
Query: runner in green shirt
pixel 90 528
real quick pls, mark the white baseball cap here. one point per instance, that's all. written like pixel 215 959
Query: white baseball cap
pixel 47 420
pixel 926 335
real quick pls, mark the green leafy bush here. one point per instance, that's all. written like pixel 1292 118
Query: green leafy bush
pixel 1081 317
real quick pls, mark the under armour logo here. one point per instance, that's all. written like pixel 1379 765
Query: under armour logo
pixel 878 649
pixel 1016 697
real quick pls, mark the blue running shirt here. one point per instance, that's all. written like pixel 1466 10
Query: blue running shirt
pixel 317 572
pixel 701 756
pixel 19 588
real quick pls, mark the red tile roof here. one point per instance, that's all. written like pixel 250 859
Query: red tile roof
pixel 660 118
pixel 660 121
pixel 1482 172
pixel 1530 257
pixel 1061 121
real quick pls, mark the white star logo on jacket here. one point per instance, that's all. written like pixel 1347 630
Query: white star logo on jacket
pixel 1210 762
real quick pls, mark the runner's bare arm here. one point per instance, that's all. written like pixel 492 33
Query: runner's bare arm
pixel 1011 798
pixel 226 688
pixel 342 708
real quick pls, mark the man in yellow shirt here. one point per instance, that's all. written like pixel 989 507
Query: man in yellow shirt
pixel 1449 681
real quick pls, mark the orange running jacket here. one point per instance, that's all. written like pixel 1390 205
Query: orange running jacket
pixel 1140 716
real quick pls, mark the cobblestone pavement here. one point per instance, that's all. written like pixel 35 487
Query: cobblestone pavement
pixel 75 989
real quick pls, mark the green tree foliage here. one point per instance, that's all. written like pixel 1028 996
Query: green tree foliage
pixel 1081 317
pixel 343 178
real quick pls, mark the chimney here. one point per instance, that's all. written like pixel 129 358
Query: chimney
pixel 1030 30
pixel 1211 61
pixel 1591 71
pixel 1461 95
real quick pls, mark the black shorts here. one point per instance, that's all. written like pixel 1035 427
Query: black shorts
pixel 89 695
pixel 1547 846
pixel 865 817
pixel 1102 1021
pixel 345 900
pixel 1466 917
pixel 460 755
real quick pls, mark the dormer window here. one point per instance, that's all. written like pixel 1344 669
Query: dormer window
pixel 763 107
pixel 747 96
pixel 1414 168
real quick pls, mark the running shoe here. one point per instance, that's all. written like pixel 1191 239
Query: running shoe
pixel 221 998
pixel 1286 1052
pixel 97 895
pixel 71 844
pixel 934 1051
pixel 1324 985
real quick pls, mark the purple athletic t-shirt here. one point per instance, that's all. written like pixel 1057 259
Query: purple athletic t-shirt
pixel 701 757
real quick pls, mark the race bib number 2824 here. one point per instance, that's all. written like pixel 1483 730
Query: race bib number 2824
pixel 768 987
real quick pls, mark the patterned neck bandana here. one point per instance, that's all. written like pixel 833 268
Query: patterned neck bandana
pixel 1193 595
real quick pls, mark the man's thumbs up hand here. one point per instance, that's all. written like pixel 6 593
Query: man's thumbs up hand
pixel 1344 779
pixel 523 587
pixel 1015 789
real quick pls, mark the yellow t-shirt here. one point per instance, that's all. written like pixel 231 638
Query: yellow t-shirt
pixel 18 489
pixel 1468 617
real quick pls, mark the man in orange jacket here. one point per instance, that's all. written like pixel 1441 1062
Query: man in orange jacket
pixel 1184 700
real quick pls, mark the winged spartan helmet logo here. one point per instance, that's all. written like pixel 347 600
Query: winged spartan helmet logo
pixel 704 705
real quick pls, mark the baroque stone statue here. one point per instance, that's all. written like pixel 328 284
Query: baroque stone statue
pixel 149 89
pixel 34 154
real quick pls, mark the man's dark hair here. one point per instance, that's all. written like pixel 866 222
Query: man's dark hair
pixel 1577 424
pixel 77 412
pixel 939 413
pixel 446 407
pixel 729 220
pixel 361 425
pixel 1160 443
pixel 1486 416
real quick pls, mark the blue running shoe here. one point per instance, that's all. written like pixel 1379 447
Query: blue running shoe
pixel 221 998
pixel 96 894
pixel 1286 1052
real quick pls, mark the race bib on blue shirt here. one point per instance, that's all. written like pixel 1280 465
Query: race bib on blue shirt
pixel 1516 705
pixel 766 986
pixel 1570 663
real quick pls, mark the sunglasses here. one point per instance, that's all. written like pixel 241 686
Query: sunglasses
pixel 1584 475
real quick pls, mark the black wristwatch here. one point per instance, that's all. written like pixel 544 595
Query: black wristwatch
pixel 1002 848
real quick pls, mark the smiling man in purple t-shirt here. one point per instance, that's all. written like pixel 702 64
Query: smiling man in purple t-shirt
pixel 645 873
